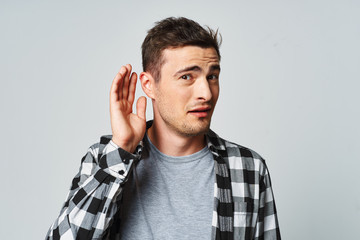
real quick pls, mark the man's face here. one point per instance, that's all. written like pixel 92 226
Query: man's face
pixel 186 94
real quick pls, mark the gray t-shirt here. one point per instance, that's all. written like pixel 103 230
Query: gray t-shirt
pixel 169 197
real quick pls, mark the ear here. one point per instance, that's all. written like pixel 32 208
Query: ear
pixel 147 84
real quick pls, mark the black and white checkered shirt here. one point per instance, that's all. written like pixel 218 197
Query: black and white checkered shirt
pixel 244 206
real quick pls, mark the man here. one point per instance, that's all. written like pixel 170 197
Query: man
pixel 170 178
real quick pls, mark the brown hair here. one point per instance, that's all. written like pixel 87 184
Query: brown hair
pixel 171 33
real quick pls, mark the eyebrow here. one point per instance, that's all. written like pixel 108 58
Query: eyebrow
pixel 197 69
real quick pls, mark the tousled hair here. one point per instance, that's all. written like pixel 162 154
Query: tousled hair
pixel 172 33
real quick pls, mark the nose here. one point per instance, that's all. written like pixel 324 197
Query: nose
pixel 203 90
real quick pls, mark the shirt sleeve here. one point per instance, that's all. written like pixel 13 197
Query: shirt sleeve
pixel 94 196
pixel 267 225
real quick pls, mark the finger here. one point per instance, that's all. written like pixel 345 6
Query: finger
pixel 132 88
pixel 125 87
pixel 122 80
pixel 141 107
pixel 115 86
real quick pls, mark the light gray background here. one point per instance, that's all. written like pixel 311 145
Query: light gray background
pixel 289 90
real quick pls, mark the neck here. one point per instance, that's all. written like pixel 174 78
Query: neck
pixel 172 143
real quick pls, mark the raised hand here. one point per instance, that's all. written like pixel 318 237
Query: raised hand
pixel 127 127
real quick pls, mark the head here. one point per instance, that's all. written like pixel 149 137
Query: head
pixel 181 63
pixel 173 33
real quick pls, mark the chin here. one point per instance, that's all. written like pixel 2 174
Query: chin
pixel 191 130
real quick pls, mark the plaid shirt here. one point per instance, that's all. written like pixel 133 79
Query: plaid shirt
pixel 244 206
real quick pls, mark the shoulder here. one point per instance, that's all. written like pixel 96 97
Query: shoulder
pixel 236 156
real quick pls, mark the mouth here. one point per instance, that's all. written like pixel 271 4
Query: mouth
pixel 200 112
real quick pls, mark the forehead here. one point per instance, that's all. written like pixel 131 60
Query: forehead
pixel 189 55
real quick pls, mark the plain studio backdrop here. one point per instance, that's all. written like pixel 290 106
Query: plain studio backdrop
pixel 289 90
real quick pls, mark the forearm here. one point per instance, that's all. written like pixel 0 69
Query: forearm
pixel 87 213
pixel 94 196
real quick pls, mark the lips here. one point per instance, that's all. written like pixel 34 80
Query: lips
pixel 203 111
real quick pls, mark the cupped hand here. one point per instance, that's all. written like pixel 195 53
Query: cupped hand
pixel 128 128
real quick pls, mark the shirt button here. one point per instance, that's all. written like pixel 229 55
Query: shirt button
pixel 121 172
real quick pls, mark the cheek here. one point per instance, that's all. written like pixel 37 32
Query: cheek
pixel 180 95
pixel 215 92
pixel 176 98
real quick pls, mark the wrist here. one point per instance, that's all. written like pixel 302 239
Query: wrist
pixel 123 145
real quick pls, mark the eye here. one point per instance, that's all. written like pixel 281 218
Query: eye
pixel 213 77
pixel 186 77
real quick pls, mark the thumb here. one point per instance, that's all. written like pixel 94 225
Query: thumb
pixel 141 107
